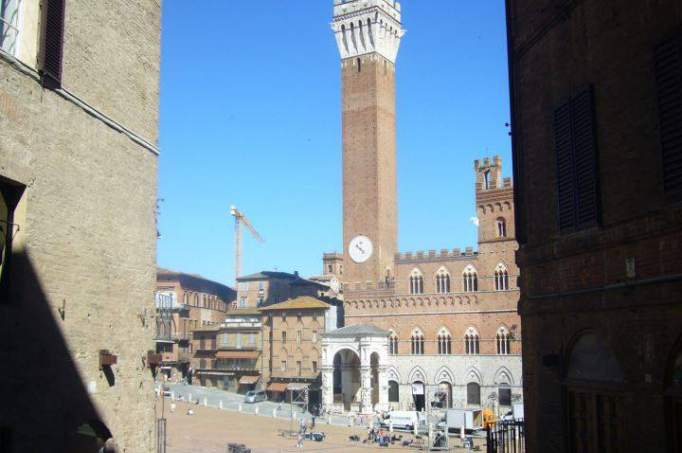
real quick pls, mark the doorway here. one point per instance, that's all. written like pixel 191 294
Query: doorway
pixel 673 402
pixel 418 396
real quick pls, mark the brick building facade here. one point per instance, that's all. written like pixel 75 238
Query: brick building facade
pixel 596 95
pixel 292 337
pixel 451 314
pixel 271 287
pixel 184 303
pixel 78 114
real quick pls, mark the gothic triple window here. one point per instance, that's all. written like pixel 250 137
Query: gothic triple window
pixel 416 282
pixel 470 279
pixel 417 342
pixel 442 281
pixel 444 342
pixel 503 341
pixel 471 342
pixel 501 278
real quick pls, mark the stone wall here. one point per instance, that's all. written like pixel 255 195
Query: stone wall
pixel 83 272
pixel 488 371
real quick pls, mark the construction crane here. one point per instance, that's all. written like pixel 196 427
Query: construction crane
pixel 239 220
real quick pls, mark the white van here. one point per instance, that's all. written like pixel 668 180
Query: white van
pixel 402 419
pixel 470 419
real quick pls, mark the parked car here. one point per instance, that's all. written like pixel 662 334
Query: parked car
pixel 254 396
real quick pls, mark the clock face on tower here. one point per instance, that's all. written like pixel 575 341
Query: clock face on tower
pixel 360 249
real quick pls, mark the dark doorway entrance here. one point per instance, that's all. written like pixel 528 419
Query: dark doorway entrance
pixel 673 401
pixel 418 392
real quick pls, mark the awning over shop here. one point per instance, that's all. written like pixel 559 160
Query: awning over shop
pixel 237 355
pixel 297 386
pixel 277 387
pixel 249 380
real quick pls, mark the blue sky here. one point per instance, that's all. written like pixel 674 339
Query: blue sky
pixel 250 115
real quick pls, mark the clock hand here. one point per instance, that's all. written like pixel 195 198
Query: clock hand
pixel 359 248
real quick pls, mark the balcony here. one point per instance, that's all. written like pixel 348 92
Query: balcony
pixel 232 347
pixel 241 325
pixel 180 336
pixel 232 368
pixel 168 357
pixel 237 360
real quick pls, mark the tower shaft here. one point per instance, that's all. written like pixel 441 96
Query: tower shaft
pixel 368 34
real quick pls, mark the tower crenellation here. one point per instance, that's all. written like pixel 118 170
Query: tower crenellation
pixel 364 27
pixel 494 200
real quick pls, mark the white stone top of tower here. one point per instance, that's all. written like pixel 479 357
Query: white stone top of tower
pixel 367 26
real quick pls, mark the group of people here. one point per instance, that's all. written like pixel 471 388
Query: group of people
pixel 379 436
pixel 302 429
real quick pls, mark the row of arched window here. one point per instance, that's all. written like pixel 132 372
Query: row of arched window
pixel 209 301
pixel 444 341
pixel 469 280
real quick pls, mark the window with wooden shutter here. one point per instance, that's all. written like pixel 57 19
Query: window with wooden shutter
pixel 53 43
pixel 669 86
pixel 577 163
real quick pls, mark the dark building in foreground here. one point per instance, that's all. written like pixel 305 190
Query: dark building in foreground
pixel 596 91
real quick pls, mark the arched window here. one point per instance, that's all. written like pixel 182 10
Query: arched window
pixel 393 344
pixel 473 394
pixel 503 341
pixel 470 279
pixel 416 282
pixel 417 341
pixel 393 393
pixel 501 278
pixel 444 342
pixel 501 227
pixel 471 342
pixel 486 180
pixel 442 281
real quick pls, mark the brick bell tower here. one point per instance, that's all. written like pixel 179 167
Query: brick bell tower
pixel 368 34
